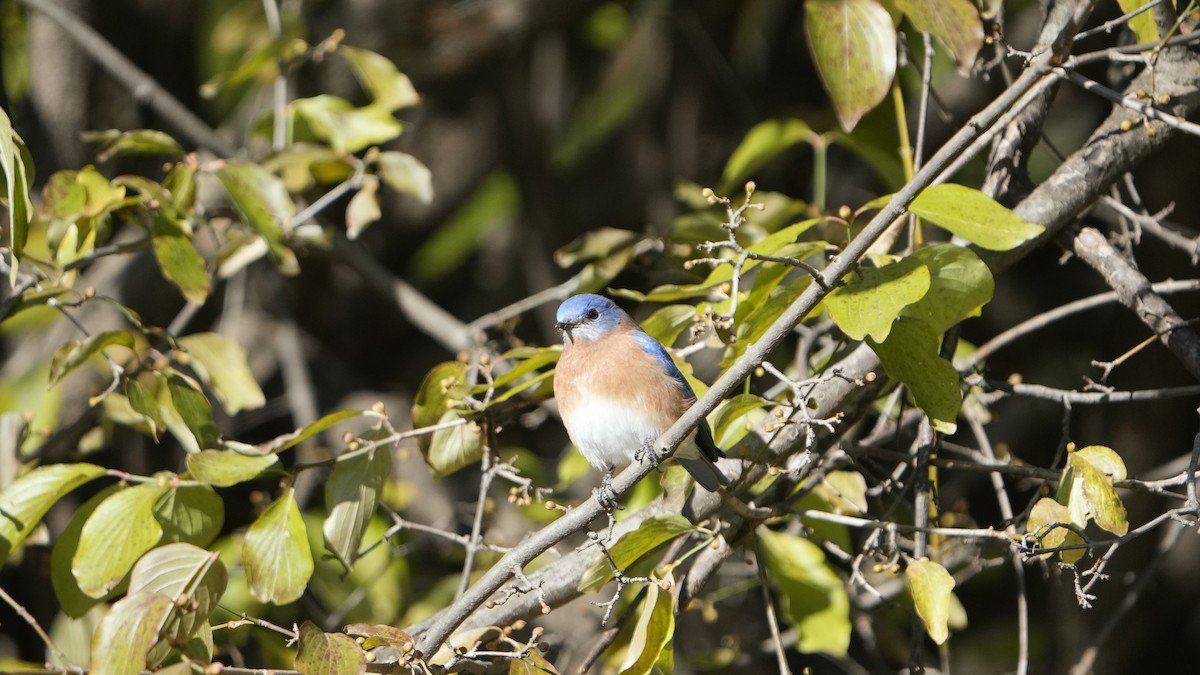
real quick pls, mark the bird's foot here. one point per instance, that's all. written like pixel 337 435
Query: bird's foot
pixel 605 495
pixel 647 453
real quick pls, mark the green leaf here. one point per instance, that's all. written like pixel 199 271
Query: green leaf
pixel 221 364
pixel 873 298
pixel 102 195
pixel 276 554
pixel 960 285
pixel 127 633
pixel 285 441
pixel 931 585
pixel 143 401
pixel 74 602
pixel 178 259
pixel 264 205
pixel 495 202
pixel 16 168
pixel 346 128
pixel 119 531
pixel 62 196
pixel 735 417
pixel 390 89
pixel 406 174
pixel 652 533
pixel 26 499
pixel 764 141
pixel 116 143
pixel 455 447
pixel 225 468
pixel 814 598
pixel 321 653
pixel 363 208
pixel 351 494
pixel 910 355
pixel 666 323
pixel 844 491
pixel 444 387
pixel 1042 517
pixel 1142 25
pixel 181 572
pixel 955 22
pixel 1092 495
pixel 193 514
pixel 653 631
pixel 74 353
pixel 972 215
pixel 854 47
pixel 190 404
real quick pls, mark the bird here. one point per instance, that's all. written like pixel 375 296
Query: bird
pixel 618 390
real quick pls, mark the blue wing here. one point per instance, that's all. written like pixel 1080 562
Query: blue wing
pixel 654 348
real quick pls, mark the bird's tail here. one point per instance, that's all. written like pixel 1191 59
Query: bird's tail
pixel 705 472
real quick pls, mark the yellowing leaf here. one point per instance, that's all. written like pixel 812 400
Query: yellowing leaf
pixel 955 22
pixel 321 653
pixel 276 554
pixel 854 47
pixel 26 499
pixel 813 596
pixel 363 208
pixel 873 298
pixel 351 494
pixel 119 531
pixel 973 216
pixel 1092 493
pixel 406 174
pixel 1044 515
pixel 390 89
pixel 930 585
pixel 221 364
pixel 653 632
pixel 127 633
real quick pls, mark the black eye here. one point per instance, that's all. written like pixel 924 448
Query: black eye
pixel 593 314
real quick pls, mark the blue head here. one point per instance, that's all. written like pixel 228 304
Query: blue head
pixel 587 317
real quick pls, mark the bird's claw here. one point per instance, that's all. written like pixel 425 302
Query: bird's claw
pixel 647 453
pixel 605 495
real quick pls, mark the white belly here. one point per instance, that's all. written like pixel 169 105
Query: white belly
pixel 608 433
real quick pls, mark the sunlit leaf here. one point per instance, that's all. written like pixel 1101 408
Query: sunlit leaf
pixel 193 514
pixel 653 631
pixel 1092 495
pixel 735 417
pixel 119 531
pixel 73 601
pixel 406 174
pixel 844 491
pixel 854 47
pixel 102 194
pixel 276 554
pixel 764 141
pixel 225 468
pixel 652 533
pixel 288 440
pixel 1045 522
pixel 1142 25
pixel 116 143
pixel 666 323
pixel 26 499
pixel 264 205
pixel 873 297
pixel 192 407
pixel 390 89
pixel 960 285
pixel 910 355
pixel 16 169
pixel 377 635
pixel 930 586
pixel 127 633
pixel 74 353
pixel 321 653
pixel 974 216
pixel 178 259
pixel 345 127
pixel 363 208
pixel 813 596
pixel 955 22
pixel 351 495
pixel 221 364
pixel 182 571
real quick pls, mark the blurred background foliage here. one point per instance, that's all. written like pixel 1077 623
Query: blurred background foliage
pixel 556 133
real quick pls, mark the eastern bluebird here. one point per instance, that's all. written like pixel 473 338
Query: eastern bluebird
pixel 618 391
